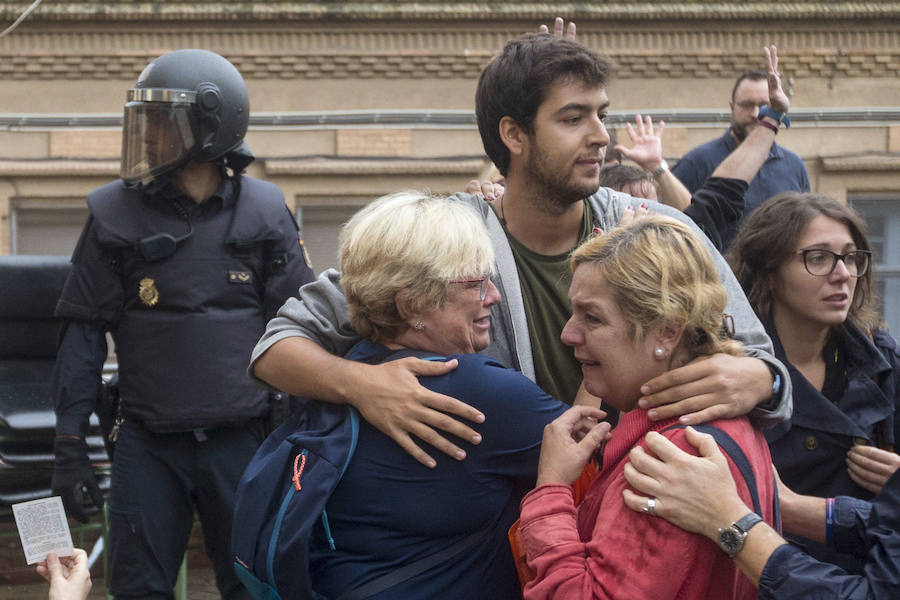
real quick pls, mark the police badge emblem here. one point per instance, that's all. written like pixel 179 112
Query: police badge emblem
pixel 147 292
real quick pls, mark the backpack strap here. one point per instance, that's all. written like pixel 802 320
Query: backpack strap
pixel 389 580
pixel 733 449
pixel 354 438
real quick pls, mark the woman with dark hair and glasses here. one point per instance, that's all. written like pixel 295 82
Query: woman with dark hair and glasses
pixel 805 263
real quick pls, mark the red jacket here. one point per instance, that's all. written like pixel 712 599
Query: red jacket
pixel 603 549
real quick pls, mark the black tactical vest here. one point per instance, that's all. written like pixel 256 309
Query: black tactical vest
pixel 190 320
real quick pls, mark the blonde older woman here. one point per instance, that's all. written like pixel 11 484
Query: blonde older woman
pixel 416 273
pixel 645 299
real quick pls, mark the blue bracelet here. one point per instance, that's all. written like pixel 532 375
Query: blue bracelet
pixel 776 384
pixel 829 519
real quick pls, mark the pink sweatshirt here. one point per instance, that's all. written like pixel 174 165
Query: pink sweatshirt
pixel 603 549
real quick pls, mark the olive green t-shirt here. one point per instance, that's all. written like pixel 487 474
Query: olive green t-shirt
pixel 545 282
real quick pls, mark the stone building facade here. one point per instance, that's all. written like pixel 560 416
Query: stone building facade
pixel 351 100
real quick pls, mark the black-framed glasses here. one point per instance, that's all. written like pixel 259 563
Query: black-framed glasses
pixel 821 262
pixel 482 289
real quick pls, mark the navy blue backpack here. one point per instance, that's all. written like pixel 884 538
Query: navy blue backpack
pixel 282 495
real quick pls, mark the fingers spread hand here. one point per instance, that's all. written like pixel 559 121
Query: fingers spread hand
pixel 560 29
pixel 398 406
pixel 716 386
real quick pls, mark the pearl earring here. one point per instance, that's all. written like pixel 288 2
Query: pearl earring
pixel 419 326
pixel 660 353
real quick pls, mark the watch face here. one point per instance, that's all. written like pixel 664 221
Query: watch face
pixel 731 540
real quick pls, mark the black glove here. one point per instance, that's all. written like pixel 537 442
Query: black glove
pixel 73 475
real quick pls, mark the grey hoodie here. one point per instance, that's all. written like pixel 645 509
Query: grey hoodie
pixel 319 313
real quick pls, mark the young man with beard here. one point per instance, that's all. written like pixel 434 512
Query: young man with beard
pixel 540 106
pixel 783 170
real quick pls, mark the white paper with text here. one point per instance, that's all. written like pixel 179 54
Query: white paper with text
pixel 43 528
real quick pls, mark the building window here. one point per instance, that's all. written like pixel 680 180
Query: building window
pixel 882 215
pixel 46 226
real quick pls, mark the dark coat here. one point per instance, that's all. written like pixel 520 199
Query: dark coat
pixel 810 449
pixel 791 573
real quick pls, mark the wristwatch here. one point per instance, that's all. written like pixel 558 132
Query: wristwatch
pixel 662 168
pixel 731 539
pixel 768 111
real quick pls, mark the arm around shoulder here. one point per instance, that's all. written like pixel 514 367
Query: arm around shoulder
pixel 318 313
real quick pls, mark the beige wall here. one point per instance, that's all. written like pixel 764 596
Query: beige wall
pixel 80 57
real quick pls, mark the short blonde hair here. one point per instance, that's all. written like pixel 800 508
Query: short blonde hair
pixel 660 271
pixel 412 243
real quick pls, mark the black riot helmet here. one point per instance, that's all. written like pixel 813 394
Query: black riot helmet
pixel 187 105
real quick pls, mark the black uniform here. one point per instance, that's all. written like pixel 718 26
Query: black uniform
pixel 184 326
pixel 859 404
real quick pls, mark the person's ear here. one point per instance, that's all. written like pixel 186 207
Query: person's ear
pixel 514 137
pixel 404 306
pixel 669 336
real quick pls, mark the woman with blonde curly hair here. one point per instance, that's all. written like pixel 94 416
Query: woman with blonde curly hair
pixel 645 299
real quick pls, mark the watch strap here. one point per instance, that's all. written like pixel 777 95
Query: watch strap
pixel 768 111
pixel 746 522
pixel 660 170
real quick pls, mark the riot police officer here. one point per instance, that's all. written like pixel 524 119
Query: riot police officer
pixel 183 261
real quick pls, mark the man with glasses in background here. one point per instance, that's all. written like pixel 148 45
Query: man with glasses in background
pixel 783 170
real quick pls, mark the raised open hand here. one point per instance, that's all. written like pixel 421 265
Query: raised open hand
pixel 778 100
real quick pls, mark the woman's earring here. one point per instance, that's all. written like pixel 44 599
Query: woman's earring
pixel 660 353
pixel 419 326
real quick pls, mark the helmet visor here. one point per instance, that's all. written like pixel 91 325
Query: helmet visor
pixel 156 137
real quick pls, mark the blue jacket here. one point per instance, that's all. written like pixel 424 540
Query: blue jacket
pixel 389 511
pixel 810 449
pixel 873 531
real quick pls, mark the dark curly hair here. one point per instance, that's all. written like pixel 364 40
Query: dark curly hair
pixel 766 240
